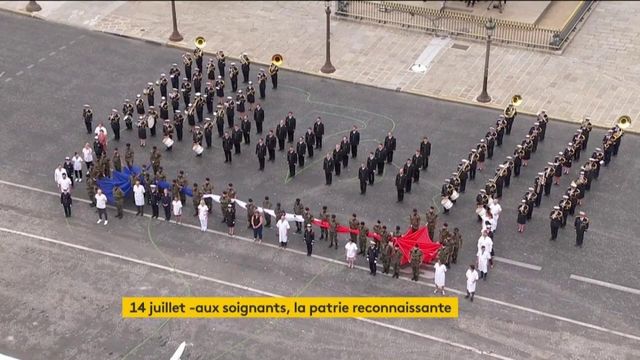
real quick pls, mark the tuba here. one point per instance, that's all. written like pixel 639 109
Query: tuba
pixel 623 122
pixel 277 60
pixel 510 110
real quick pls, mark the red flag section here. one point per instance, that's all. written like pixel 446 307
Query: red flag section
pixel 421 237
pixel 406 242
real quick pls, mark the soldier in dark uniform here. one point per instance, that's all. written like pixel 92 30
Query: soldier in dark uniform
pixel 310 140
pixel 301 149
pixel 266 204
pixel 530 197
pixel 198 103
pixel 538 188
pixel 523 210
pixel 150 92
pixel 371 168
pixel 154 200
pixel 337 158
pixel 425 151
pixel 273 72
pixel 417 161
pixel 345 147
pixel 518 154
pixel 511 110
pixel 292 159
pixel 281 134
pixel 233 75
pixel 543 119
pixel 290 124
pixel 309 237
pixel 208 132
pixel 408 171
pixel 153 114
pixel 401 180
pixel 245 126
pixel 174 97
pixel 197 81
pixel 211 70
pixel 565 206
pixel 127 113
pixel 501 124
pixel 188 62
pixel 258 117
pixel 548 177
pixel 491 141
pixel 389 147
pixel 381 157
pixel 556 221
pixel 209 94
pixel 473 163
pixel 354 139
pixel 482 153
pixel 271 145
pixel 221 62
pixel 227 145
pixel 363 176
pixel 581 224
pixel 114 119
pixel 372 257
pixel 262 83
pixel 236 135
pixel 162 82
pixel 164 109
pixel 261 153
pixel 178 123
pixel 219 86
pixel 328 167
pixel 463 174
pixel 174 75
pixel 246 63
pixel 87 116
pixel 186 91
pixel 220 115
pixel 318 130
pixel 140 105
pixel 230 109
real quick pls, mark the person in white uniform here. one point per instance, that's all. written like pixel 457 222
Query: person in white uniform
pixel 440 271
pixel 87 155
pixel 77 167
pixel 101 205
pixel 283 226
pixel 203 215
pixel 351 249
pixel 483 262
pixel 65 183
pixel 472 279
pixel 138 197
pixel 57 175
pixel 176 205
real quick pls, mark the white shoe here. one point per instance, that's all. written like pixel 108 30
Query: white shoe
pixel 99 221
pixel 79 180
pixel 435 291
pixel 106 222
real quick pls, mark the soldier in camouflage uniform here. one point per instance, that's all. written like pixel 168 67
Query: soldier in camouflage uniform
pixel 160 175
pixel 456 240
pixel 416 260
pixel 155 159
pixel 207 189
pixel 333 231
pixel 432 220
pixel 385 236
pixel 224 205
pixel 353 225
pixel 444 233
pixel 414 220
pixel 444 254
pixel 298 209
pixel 363 244
pixel 377 228
pixel 128 156
pixel 324 216
pixel 117 162
pixel 308 218
pixel 91 190
pixel 396 257
pixel 118 196
pixel 385 256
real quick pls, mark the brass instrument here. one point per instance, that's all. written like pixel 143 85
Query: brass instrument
pixel 623 122
pixel 277 60
pixel 220 55
pixel 244 59
pixel 200 42
pixel 510 110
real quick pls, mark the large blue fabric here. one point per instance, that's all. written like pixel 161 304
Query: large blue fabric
pixel 123 180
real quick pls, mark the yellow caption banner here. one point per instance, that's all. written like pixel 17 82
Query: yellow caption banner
pixel 298 307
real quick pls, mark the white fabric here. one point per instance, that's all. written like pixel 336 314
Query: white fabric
pixel 77 163
pixel 241 203
pixel 215 198
pixel 65 184
pixel 487 242
pixel 496 209
pixel 138 195
pixel 177 207
pixel 98 128
pixel 57 175
pixel 87 153
pixel 441 269
pixel 282 226
pixel 203 212
pixel 483 261
pixel 351 249
pixel 101 201
pixel 472 278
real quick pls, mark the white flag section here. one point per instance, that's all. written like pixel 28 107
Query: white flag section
pixel 178 353
pixel 242 204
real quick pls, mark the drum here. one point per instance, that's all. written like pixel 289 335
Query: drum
pixel 168 142
pixel 197 148
pixel 446 203
pixel 480 210
pixel 454 196
pixel 151 121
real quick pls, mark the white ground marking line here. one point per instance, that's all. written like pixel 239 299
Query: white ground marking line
pixel 62 47
pixel 242 287
pixel 41 59
pixel 6 357
pixel 7 79
pixel 605 284
pixel 30 66
pixel 494 301
pixel 72 42
pixel 19 73
pixel 2 73
pixel 517 263
pixel 52 53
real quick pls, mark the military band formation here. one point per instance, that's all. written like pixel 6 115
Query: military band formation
pixel 221 107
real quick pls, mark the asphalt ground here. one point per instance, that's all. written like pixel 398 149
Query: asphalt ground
pixel 42 123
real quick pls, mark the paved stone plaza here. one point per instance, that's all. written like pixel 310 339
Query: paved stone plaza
pixel 64 302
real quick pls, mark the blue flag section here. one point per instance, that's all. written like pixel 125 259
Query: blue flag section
pixel 123 179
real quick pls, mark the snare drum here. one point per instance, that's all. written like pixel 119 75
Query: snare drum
pixel 168 142
pixel 446 203
pixel 197 148
pixel 454 196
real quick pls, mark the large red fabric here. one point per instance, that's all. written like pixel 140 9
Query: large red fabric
pixel 407 241
pixel 341 229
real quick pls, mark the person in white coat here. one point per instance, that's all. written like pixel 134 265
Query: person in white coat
pixel 440 271
pixel 472 279
pixel 203 215
pixel 351 249
pixel 57 174
pixel 176 205
pixel 283 226
pixel 77 167
pixel 138 197
pixel 87 156
pixel 496 209
pixel 483 262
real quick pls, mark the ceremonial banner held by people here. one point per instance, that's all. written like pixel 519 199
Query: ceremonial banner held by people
pixel 407 241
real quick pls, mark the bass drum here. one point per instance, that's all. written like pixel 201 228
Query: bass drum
pixel 151 121
pixel 446 203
